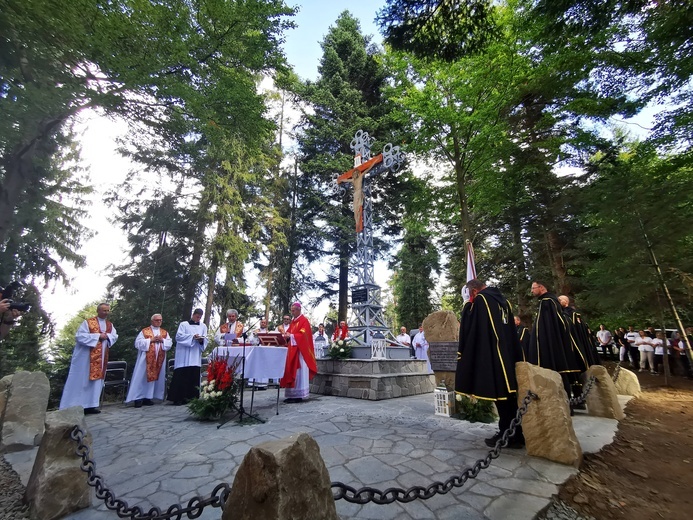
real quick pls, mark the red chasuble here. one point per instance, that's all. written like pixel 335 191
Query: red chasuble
pixel 303 334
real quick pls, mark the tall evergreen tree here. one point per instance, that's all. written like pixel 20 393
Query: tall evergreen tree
pixel 346 97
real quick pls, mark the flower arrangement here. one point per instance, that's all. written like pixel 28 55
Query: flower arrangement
pixel 339 349
pixel 218 392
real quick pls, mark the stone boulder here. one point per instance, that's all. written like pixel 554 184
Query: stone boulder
pixel 602 399
pixel 282 480
pixel 24 412
pixel 57 486
pixel 5 383
pixel 441 327
pixel 627 383
pixel 547 425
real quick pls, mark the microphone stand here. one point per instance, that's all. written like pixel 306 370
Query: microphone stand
pixel 241 408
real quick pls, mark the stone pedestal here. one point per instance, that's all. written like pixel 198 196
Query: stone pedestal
pixel 547 425
pixel 372 379
pixel 282 480
pixel 23 410
pixel 627 383
pixel 57 486
pixel 602 399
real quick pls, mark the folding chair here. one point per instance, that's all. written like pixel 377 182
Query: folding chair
pixel 116 376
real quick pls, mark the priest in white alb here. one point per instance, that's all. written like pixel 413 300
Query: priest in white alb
pixel 149 375
pixel 85 380
pixel 191 340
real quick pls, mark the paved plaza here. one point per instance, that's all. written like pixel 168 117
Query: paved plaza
pixel 159 455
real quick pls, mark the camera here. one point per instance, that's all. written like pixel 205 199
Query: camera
pixel 7 294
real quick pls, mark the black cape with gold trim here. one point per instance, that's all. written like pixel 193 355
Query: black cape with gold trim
pixel 583 337
pixel 550 343
pixel 523 336
pixel 488 349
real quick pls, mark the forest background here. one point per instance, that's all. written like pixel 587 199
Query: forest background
pixel 510 112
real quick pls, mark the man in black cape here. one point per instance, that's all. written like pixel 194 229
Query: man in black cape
pixel 587 351
pixel 487 353
pixel 550 343
pixel 523 336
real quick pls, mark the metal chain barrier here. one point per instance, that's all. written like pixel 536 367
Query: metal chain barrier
pixel 617 372
pixel 586 390
pixel 390 495
pixel 176 511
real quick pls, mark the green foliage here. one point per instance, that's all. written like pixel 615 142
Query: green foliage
pixel 446 29
pixel 414 266
pixel 473 410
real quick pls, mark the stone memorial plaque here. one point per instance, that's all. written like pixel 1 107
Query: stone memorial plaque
pixel 443 356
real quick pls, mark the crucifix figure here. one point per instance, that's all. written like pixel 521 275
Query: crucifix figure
pixel 367 308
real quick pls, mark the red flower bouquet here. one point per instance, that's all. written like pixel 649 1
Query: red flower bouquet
pixel 218 392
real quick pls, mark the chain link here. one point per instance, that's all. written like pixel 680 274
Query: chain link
pixel 390 495
pixel 350 494
pixel 586 390
pixel 176 511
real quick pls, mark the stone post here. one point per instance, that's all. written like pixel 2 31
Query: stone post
pixel 547 425
pixel 23 403
pixel 602 399
pixel 282 480
pixel 627 383
pixel 57 486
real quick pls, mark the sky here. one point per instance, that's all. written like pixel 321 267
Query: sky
pixel 108 169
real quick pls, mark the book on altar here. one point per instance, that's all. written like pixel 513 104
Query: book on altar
pixel 271 339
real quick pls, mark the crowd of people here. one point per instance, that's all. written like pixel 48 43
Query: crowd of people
pixel 645 349
pixel 97 335
pixel 491 341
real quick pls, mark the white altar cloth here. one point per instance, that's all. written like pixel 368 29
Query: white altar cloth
pixel 260 362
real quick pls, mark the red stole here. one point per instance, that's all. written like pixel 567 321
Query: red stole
pixel 154 362
pixel 97 365
pixel 300 328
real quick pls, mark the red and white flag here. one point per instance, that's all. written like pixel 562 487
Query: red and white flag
pixel 471 270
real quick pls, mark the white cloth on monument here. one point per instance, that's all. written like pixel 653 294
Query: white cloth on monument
pixel 189 350
pixel 301 388
pixel 404 339
pixel 140 388
pixel 79 390
pixel 421 349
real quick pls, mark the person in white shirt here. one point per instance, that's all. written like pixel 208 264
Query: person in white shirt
pixel 320 341
pixel 403 337
pixel 633 350
pixel 644 344
pixel 94 338
pixel 421 347
pixel 605 340
pixel 149 375
pixel 658 344
pixel 191 340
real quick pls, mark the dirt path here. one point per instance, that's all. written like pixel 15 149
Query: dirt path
pixel 647 472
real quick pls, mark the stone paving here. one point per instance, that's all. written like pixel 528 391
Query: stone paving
pixel 160 456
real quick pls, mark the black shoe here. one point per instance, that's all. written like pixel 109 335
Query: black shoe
pixel 138 403
pixel 293 400
pixel 260 388
pixel 91 411
pixel 177 403
pixel 491 441
pixel 147 402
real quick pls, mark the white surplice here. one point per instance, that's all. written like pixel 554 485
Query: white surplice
pixel 421 349
pixel 79 390
pixel 140 388
pixel 189 350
